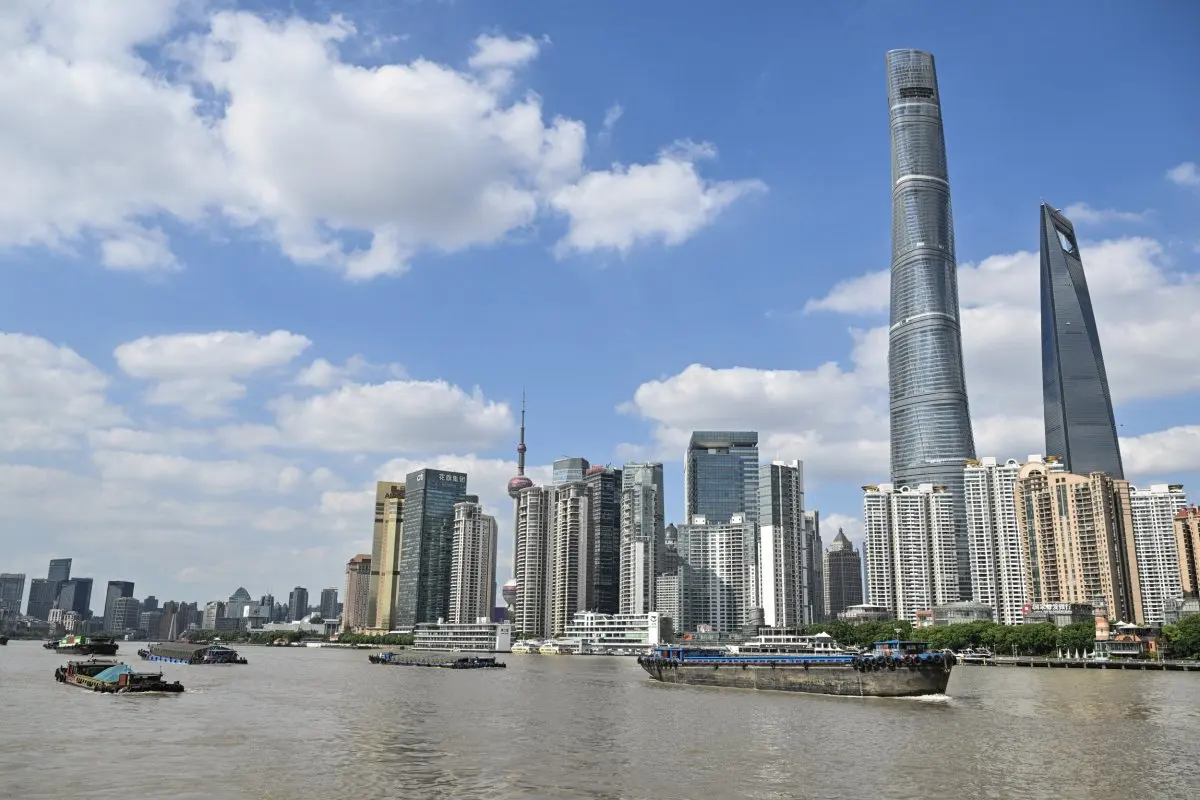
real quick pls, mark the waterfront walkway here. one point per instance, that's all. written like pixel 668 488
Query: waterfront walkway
pixel 1081 663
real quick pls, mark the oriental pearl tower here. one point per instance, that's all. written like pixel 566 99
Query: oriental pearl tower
pixel 518 482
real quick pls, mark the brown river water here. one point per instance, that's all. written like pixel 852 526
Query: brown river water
pixel 302 724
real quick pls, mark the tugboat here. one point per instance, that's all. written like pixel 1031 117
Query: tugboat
pixel 84 645
pixel 113 677
pixel 184 653
pixel 893 668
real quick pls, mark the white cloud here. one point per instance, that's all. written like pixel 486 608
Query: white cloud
pixel 835 417
pixel 323 374
pixel 1162 454
pixel 611 116
pixel 1083 214
pixel 263 123
pixel 202 372
pixel 667 202
pixel 406 416
pixel 206 477
pixel 1185 174
pixel 148 441
pixel 49 395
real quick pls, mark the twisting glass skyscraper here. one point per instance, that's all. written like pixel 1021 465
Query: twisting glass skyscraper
pixel 1080 427
pixel 930 421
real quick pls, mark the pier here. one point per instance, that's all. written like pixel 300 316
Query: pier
pixel 1081 663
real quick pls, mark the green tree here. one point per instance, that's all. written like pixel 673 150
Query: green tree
pixel 1078 637
pixel 1183 638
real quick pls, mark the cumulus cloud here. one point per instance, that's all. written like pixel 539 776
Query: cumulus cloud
pixel 1185 174
pixel 264 124
pixel 1083 214
pixel 835 416
pixel 202 372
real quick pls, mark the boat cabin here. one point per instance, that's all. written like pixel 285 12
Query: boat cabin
pixel 893 647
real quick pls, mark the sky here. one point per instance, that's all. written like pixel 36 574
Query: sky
pixel 255 256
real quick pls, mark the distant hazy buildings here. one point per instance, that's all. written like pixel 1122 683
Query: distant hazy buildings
pixel 1076 531
pixel 423 582
pixel 358 593
pixel 387 537
pixel 472 563
pixel 642 534
pixel 931 435
pixel 60 570
pixel 76 595
pixel 911 553
pixel 1080 426
pixel 998 568
pixel 843 576
pixel 42 594
pixel 12 591
pixel 125 615
pixel 784 560
pixel 329 603
pixel 297 604
pixel 1153 512
pixel 116 590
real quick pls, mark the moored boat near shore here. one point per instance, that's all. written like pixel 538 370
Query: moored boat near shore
pixel 113 677
pixel 80 645
pixel 892 669
pixel 186 653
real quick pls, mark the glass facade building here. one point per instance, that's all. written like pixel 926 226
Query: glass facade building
pixel 76 595
pixel 931 435
pixel 60 570
pixel 604 486
pixel 721 476
pixel 569 470
pixel 427 549
pixel 1080 427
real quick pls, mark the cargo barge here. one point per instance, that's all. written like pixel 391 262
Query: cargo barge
pixel 443 662
pixel 113 677
pixel 813 664
pixel 83 645
pixel 185 653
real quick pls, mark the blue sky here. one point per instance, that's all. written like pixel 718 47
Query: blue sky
pixel 653 217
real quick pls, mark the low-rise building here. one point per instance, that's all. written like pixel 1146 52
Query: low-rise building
pixel 609 632
pixel 864 612
pixel 1061 614
pixel 1180 607
pixel 480 636
pixel 962 611
pixel 1130 641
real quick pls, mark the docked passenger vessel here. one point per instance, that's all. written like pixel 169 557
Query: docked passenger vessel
pixel 815 664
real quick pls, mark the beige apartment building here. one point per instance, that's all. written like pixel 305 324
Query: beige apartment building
pixel 358 593
pixel 385 555
pixel 1077 534
pixel 1187 544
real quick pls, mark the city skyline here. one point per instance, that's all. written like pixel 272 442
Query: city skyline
pixel 224 404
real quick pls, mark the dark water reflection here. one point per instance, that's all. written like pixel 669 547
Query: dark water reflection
pixel 306 724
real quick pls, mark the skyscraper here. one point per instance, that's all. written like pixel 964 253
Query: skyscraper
pixel 784 577
pixel 297 604
pixel 717 574
pixel 385 553
pixel 116 590
pixel 569 469
pixel 329 603
pixel 423 582
pixel 1080 427
pixel 604 569
pixel 720 476
pixel 843 576
pixel 76 595
pixel 473 562
pixel 60 570
pixel 42 594
pixel 911 564
pixel 931 435
pixel 570 553
pixel 1153 512
pixel 641 521
pixel 358 592
pixel 531 614
pixel 12 591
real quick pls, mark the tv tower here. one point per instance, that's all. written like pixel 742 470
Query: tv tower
pixel 520 481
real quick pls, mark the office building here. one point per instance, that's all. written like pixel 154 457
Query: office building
pixel 570 550
pixel 297 604
pixel 717 575
pixel 911 552
pixel 604 485
pixel 238 602
pixel 1187 550
pixel 843 576
pixel 423 582
pixel 150 621
pixel 214 612
pixel 43 593
pixel 1077 536
pixel 12 591
pixel 60 570
pixel 569 470
pixel 531 610
pixel 642 518
pixel 814 547
pixel 477 636
pixel 385 554
pixel 329 603
pixel 472 563
pixel 931 435
pixel 76 595
pixel 1153 513
pixel 785 575
pixel 720 476
pixel 124 615
pixel 1080 426
pixel 997 557
pixel 617 633
pixel 116 590
pixel 358 592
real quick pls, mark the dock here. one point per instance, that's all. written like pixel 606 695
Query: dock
pixel 1081 663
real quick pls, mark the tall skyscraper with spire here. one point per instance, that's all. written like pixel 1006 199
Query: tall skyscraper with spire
pixel 1080 427
pixel 931 435
pixel 520 481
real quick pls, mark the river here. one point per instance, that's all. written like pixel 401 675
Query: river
pixel 301 724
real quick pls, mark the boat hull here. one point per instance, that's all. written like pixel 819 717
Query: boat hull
pixel 814 678
pixel 88 650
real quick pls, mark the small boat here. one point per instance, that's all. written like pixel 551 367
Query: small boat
pixel 414 660
pixel 113 677
pixel 186 653
pixel 522 648
pixel 3 639
pixel 84 645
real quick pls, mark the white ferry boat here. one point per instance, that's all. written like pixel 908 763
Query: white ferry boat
pixel 525 648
